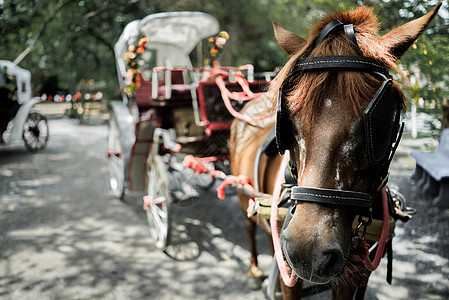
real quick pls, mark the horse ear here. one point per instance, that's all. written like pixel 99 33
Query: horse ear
pixel 289 41
pixel 401 38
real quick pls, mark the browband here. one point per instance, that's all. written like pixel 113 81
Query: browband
pixel 355 63
pixel 330 196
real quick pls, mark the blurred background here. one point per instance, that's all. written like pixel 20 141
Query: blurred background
pixel 68 44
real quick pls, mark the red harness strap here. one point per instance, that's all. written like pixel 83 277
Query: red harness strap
pixel 371 266
pixel 289 280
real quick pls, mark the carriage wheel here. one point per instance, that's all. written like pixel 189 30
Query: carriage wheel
pixel 159 212
pixel 35 132
pixel 116 160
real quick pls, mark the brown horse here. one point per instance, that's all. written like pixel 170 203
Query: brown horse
pixel 326 139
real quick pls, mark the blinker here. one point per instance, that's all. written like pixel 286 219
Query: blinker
pixel 284 128
pixel 381 122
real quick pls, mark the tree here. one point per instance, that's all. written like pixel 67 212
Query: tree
pixel 427 60
pixel 73 39
pixel 70 39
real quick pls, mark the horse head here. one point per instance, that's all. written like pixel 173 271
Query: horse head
pixel 325 98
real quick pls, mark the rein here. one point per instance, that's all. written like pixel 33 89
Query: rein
pixel 384 235
pixel 289 280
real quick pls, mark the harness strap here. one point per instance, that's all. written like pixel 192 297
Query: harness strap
pixel 329 196
pixel 350 34
pixel 268 148
pixel 347 62
pixel 331 26
pixel 390 261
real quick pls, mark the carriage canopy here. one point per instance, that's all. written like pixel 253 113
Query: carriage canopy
pixel 171 37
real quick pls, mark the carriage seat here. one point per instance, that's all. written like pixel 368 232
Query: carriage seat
pixel 432 171
pixel 180 91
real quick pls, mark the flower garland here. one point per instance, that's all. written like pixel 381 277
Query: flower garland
pixel 215 46
pixel 133 77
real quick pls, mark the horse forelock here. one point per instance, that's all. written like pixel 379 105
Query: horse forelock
pixel 356 89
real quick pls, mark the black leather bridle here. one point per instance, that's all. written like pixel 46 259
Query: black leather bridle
pixel 381 118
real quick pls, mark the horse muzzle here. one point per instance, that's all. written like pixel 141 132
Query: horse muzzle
pixel 312 257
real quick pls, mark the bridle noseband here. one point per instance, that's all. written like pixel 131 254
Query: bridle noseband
pixel 381 118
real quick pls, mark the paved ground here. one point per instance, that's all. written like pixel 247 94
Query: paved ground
pixel 64 236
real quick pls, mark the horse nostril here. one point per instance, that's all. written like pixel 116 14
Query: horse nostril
pixel 329 262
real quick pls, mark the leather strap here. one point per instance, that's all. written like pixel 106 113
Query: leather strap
pixel 331 26
pixel 269 145
pixel 350 34
pixel 329 196
pixel 389 261
pixel 354 63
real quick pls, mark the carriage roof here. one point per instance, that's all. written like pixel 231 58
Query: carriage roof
pixel 23 79
pixel 175 33
pixel 185 29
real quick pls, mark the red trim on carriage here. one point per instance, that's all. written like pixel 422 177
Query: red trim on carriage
pixel 142 95
pixel 179 90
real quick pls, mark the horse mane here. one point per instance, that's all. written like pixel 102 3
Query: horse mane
pixel 356 89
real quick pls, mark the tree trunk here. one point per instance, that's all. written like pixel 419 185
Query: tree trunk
pixel 445 114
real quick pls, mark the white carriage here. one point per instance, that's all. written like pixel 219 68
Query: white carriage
pixel 168 109
pixel 18 120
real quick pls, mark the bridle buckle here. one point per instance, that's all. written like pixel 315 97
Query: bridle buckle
pixel 364 223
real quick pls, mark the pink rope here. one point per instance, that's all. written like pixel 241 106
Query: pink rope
pixel 289 280
pixel 199 166
pixel 245 86
pixel 384 235
pixel 224 94
pixel 246 95
pixel 233 180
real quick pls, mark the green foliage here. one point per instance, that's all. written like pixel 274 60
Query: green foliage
pixel 427 60
pixel 73 39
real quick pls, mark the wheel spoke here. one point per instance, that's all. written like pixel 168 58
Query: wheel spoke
pixel 158 215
